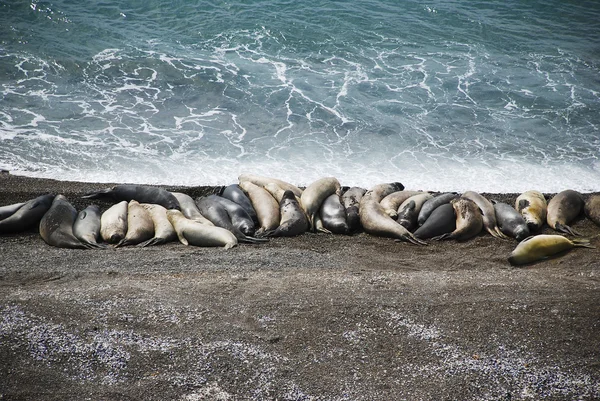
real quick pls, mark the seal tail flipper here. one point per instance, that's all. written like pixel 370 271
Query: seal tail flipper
pixel 582 243
pixel 123 242
pixel 412 239
pixel 252 240
pixel 493 232
pixel 151 242
pixel 442 237
pixel 500 233
pixel 95 245
pixel 97 194
pixel 563 228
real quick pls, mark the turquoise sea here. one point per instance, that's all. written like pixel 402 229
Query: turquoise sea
pixel 491 96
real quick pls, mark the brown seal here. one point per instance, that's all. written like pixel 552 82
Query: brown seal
pixel 565 207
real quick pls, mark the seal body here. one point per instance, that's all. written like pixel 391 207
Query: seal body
pixel 216 209
pixel 56 227
pixel 487 211
pixel 193 233
pixel 139 193
pixel 540 247
pixel 392 202
pixel 565 207
pixel 140 226
pixel 431 204
pixel 592 208
pixel 469 220
pixel 376 221
pixel 408 212
pixel 27 216
pixel 510 221
pixel 315 194
pixel 235 194
pixel 533 207
pixel 293 219
pixel 261 181
pixel 442 220
pixel 267 208
pixel 163 230
pixel 87 225
pixel 8 210
pixel 351 200
pixel 333 215
pixel 239 217
pixel 189 209
pixel 113 223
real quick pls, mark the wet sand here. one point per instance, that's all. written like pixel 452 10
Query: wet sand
pixel 317 317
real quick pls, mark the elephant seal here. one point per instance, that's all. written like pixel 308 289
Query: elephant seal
pixel 333 215
pixel 431 204
pixel 27 215
pixel 392 202
pixel 533 207
pixel 214 209
pixel 351 200
pixel 8 210
pixel 191 232
pixel 235 194
pixel 510 221
pixel 239 217
pixel 441 221
pixel 563 209
pixel 267 208
pixel 293 219
pixel 189 208
pixel 592 208
pixel 262 181
pixel 163 230
pixel 408 212
pixel 469 220
pixel 540 247
pixel 113 223
pixel 488 213
pixel 376 221
pixel 87 226
pixel 315 194
pixel 56 227
pixel 140 193
pixel 140 226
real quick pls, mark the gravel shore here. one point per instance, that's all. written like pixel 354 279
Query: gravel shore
pixel 317 317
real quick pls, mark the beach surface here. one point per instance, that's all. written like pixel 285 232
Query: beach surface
pixel 317 317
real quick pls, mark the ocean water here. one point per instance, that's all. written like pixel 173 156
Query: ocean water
pixel 442 95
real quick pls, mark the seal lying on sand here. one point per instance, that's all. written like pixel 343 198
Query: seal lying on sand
pixel 8 210
pixel 469 220
pixel 333 215
pixel 189 209
pixel 592 209
pixel 56 227
pixel 140 193
pixel 408 212
pixel 488 213
pixel 315 194
pixel 113 223
pixel 235 194
pixel 441 221
pixel 293 219
pixel 261 181
pixel 510 221
pixel 140 227
pixel 193 233
pixel 542 246
pixel 267 208
pixel 392 202
pixel 163 230
pixel 87 226
pixel 351 200
pixel 431 204
pixel 565 207
pixel 213 209
pixel 27 215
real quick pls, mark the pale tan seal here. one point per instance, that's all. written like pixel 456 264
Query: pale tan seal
pixel 140 226
pixel 543 246
pixel 163 229
pixel 469 220
pixel 197 234
pixel 376 221
pixel 113 223
pixel 190 209
pixel 266 207
pixel 261 181
pixel 533 207
pixel 565 207
pixel 315 194
pixel 488 213
pixel 392 202
pixel 592 208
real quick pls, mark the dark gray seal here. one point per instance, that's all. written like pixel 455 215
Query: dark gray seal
pixel 510 221
pixel 442 220
pixel 235 194
pixel 469 220
pixel 27 215
pixel 56 227
pixel 333 215
pixel 9 210
pixel 239 217
pixel 430 205
pixel 351 200
pixel 293 219
pixel 140 193
pixel 87 226
pixel 565 207
pixel 213 210
pixel 592 208
pixel 408 212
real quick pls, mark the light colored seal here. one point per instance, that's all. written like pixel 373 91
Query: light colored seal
pixel 408 212
pixel 441 221
pixel 333 215
pixel 541 247
pixel 392 202
pixel 140 226
pixel 533 207
pixel 8 210
pixel 87 226
pixel 261 181
pixel 163 230
pixel 510 221
pixel 140 193
pixel 27 216
pixel 266 207
pixel 351 200
pixel 193 233
pixel 315 194
pixel 293 219
pixel 592 208
pixel 56 227
pixel 189 208
pixel 469 220
pixel 488 213
pixel 376 221
pixel 565 207
pixel 430 205
pixel 113 223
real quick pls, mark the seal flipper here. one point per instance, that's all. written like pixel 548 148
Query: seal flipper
pixel 97 194
pixel 151 242
pixel 582 243
pixel 563 228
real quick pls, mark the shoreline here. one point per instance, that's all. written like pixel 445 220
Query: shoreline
pixel 315 317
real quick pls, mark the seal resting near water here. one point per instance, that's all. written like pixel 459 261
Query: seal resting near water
pixel 293 219
pixel 315 194
pixel 510 221
pixel 26 216
pixel 113 223
pixel 592 208
pixel 140 193
pixel 191 232
pixel 543 246
pixel 488 213
pixel 469 220
pixel 56 227
pixel 533 207
pixel 565 207
pixel 87 226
